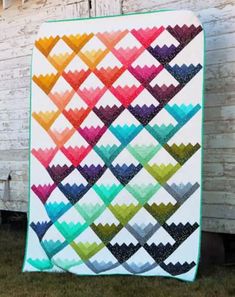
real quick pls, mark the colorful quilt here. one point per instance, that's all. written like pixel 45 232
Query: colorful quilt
pixel 116 146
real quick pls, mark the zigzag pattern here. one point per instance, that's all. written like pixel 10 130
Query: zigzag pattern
pixel 124 100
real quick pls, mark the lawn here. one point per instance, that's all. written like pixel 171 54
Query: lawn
pixel 213 282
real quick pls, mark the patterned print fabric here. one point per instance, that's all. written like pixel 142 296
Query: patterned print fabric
pixel 115 166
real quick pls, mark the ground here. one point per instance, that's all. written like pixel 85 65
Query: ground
pixel 213 282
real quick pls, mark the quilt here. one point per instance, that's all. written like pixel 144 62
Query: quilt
pixel 116 146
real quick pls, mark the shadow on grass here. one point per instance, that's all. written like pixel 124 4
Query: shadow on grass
pixel 211 282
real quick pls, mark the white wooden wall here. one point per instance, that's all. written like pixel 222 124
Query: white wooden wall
pixel 18 27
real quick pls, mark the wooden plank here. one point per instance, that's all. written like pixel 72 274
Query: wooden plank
pixel 229 170
pixel 4 174
pixel 220 41
pixel 21 186
pixel 218 225
pixel 221 113
pixel 21 114
pixel 18 46
pixel 7 95
pixel 195 5
pixel 13 155
pixel 27 24
pixel 15 83
pixel 221 184
pixel 217 20
pixel 19 172
pixel 42 10
pixel 215 197
pixel 223 155
pixel 17 62
pixel 105 7
pixel 219 126
pixel 219 169
pixel 223 140
pixel 15 73
pixel 21 206
pixel 220 56
pixel 35 8
pixel 18 144
pixel 220 70
pixel 222 98
pixel 14 104
pixel 213 169
pixel 13 126
pixel 19 175
pixel 224 84
pixel 6 4
pixel 18 190
pixel 219 211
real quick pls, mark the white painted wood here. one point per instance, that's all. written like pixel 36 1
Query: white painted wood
pixel 220 184
pixel 105 7
pixel 224 140
pixel 213 169
pixel 21 206
pixel 225 155
pixel 220 98
pixel 195 5
pixel 219 211
pixel 222 113
pixel 18 28
pixel 5 177
pixel 218 225
pixel 222 198
pixel 212 127
pixel 6 4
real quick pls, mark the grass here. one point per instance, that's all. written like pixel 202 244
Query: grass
pixel 216 282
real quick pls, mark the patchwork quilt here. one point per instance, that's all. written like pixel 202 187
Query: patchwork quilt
pixel 116 146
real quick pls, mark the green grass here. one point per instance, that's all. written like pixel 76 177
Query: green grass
pixel 216 282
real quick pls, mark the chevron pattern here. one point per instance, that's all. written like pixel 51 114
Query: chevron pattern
pixel 115 168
